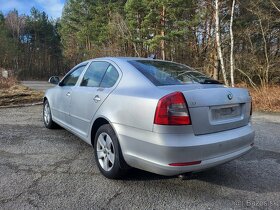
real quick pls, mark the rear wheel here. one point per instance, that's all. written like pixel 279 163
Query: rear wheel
pixel 108 153
pixel 47 116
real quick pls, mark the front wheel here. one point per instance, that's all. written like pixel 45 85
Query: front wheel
pixel 47 116
pixel 108 153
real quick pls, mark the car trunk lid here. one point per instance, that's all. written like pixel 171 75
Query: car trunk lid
pixel 214 108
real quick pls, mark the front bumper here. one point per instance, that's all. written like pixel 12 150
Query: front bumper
pixel 154 152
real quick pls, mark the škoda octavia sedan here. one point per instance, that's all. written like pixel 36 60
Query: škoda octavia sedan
pixel 158 116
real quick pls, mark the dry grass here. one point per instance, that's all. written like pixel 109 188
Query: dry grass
pixel 7 82
pixel 265 99
pixel 19 94
pixel 12 93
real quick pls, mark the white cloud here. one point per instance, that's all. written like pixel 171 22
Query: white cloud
pixel 52 7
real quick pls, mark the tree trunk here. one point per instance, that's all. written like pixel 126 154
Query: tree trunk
pixel 219 49
pixel 162 33
pixel 265 53
pixel 231 45
pixel 216 67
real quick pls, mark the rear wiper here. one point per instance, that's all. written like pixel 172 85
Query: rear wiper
pixel 210 81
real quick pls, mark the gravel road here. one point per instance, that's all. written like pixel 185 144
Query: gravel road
pixel 50 169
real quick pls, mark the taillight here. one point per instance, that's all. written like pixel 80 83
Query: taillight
pixel 172 110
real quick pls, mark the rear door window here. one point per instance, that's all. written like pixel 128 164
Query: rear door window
pixel 95 74
pixel 110 78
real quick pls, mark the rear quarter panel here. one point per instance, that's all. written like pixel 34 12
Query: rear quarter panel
pixel 130 107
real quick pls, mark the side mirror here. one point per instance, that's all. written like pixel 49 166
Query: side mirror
pixel 54 80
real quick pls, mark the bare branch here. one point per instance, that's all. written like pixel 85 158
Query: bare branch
pixel 278 9
pixel 250 80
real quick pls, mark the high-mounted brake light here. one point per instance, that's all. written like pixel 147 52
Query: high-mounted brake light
pixel 172 110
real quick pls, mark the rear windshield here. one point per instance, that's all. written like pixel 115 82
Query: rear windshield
pixel 162 73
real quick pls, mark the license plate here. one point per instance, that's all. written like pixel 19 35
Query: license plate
pixel 221 113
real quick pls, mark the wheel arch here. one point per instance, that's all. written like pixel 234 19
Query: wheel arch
pixel 96 125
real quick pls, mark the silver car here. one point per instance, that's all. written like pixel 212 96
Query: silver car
pixel 159 116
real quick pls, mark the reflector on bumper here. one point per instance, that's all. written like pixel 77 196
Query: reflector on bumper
pixel 185 164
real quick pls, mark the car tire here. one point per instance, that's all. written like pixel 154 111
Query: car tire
pixel 108 154
pixel 47 116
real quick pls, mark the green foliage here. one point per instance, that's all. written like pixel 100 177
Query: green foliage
pixel 84 27
pixel 30 45
pixel 7 46
pixel 172 18
pixel 179 30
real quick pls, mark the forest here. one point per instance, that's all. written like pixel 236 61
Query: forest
pixel 236 42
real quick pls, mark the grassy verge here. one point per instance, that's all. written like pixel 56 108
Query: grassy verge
pixel 12 93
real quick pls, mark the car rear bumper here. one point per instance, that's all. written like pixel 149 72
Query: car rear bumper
pixel 154 152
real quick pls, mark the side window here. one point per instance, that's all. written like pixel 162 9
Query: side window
pixel 71 79
pixel 94 74
pixel 110 78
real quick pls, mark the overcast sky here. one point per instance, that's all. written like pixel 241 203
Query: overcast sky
pixel 52 7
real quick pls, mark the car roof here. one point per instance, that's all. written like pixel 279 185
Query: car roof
pixel 121 59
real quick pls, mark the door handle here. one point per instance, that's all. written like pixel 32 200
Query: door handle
pixel 100 89
pixel 96 98
pixel 68 94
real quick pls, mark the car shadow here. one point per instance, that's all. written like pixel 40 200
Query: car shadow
pixel 258 171
pixel 135 174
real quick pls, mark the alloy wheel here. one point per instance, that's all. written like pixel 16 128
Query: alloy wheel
pixel 47 113
pixel 105 151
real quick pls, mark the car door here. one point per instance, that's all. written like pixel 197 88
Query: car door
pixel 62 98
pixel 97 83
